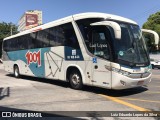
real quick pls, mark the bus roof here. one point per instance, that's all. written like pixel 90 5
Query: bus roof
pixel 102 15
pixel 70 18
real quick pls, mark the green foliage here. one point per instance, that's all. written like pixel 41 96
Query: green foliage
pixel 5 29
pixel 153 23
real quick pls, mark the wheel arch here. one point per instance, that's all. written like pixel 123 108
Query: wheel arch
pixel 14 68
pixel 73 67
pixel 14 65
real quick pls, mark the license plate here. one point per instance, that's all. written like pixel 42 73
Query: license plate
pixel 140 83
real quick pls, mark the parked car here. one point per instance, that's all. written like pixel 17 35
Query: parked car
pixel 155 64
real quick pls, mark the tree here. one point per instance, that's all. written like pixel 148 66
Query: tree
pixel 6 29
pixel 153 23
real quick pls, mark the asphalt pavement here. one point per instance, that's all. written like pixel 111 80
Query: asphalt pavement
pixel 37 94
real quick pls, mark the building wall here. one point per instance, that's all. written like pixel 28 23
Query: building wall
pixel 32 14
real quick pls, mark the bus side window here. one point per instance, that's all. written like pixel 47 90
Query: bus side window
pixel 14 44
pixel 6 45
pixel 30 44
pixel 51 37
pixel 20 43
pixel 42 39
pixel 32 37
pixel 70 36
pixel 55 36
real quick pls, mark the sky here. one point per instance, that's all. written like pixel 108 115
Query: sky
pixel 137 10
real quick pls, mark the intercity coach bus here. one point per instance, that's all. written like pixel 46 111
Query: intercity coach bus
pixel 95 49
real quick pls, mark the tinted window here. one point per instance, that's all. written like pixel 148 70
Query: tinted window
pixel 63 35
pixel 70 36
pixel 56 36
pixel 13 44
pixel 6 45
pixel 22 43
pixel 41 39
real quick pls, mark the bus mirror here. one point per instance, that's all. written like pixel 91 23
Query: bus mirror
pixel 156 36
pixel 116 27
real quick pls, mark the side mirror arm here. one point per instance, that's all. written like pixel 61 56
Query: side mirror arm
pixel 116 27
pixel 156 36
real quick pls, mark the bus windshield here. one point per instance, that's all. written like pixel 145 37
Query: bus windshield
pixel 131 48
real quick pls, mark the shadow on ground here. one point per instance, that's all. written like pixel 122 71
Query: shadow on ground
pixel 114 93
pixel 4 92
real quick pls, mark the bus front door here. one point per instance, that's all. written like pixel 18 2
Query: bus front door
pixel 99 47
pixel 101 73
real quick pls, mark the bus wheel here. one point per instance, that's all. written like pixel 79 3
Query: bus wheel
pixel 16 71
pixel 75 80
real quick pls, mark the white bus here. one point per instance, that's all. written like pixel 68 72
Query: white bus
pixel 95 49
pixel 153 48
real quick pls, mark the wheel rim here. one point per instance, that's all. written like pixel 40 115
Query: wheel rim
pixel 16 72
pixel 75 79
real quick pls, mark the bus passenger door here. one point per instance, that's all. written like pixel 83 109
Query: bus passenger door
pixel 101 73
pixel 101 65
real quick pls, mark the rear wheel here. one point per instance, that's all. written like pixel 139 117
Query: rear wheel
pixel 75 80
pixel 16 71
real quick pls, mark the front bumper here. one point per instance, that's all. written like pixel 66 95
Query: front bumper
pixel 123 82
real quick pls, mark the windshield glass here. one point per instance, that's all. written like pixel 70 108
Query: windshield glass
pixel 131 49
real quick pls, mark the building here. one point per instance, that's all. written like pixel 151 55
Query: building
pixel 30 19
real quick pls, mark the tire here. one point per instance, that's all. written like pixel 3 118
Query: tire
pixel 16 71
pixel 75 80
pixel 153 66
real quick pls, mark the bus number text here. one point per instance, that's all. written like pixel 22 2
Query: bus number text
pixel 33 57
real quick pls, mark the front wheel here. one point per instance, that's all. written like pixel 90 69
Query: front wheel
pixel 75 80
pixel 16 72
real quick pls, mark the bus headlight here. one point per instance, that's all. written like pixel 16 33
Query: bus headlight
pixel 122 72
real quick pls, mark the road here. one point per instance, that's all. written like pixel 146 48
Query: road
pixel 36 94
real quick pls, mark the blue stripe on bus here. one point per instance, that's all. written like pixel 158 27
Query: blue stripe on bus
pixel 38 71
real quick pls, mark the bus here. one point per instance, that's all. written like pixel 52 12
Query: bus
pixel 152 40
pixel 95 49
